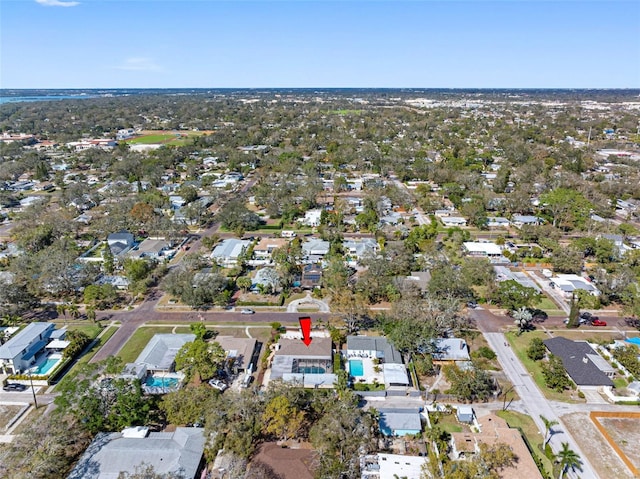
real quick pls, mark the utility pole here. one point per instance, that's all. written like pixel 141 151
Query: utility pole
pixel 33 391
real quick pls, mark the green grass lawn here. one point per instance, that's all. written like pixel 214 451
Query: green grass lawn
pixel 531 433
pixel 520 345
pixel 139 340
pixel 91 330
pixel 620 383
pixel 108 332
pixel 546 304
pixel 151 139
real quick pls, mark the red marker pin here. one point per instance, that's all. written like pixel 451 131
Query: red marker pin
pixel 305 326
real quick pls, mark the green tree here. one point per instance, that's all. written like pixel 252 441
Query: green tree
pixel 469 385
pixel 536 349
pixel 78 340
pixel 522 318
pixel 512 295
pixel 199 329
pixel 244 283
pixel 568 459
pixel 201 358
pixel 190 404
pixel 555 376
pixel 567 207
pixel 548 428
pixel 281 418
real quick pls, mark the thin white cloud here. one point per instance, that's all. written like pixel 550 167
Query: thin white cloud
pixel 57 3
pixel 139 64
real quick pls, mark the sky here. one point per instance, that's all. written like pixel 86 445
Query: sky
pixel 306 44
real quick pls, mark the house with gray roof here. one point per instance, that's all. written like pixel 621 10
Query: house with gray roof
pixel 583 364
pixel 526 220
pixel 160 352
pixel 23 349
pixel 174 454
pixel 311 366
pixel 120 243
pixel 450 351
pixel 399 422
pixel 373 347
pixel 228 252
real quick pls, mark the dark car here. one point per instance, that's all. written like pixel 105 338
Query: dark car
pixel 14 387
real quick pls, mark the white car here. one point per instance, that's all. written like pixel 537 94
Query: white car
pixel 217 384
pixel 247 311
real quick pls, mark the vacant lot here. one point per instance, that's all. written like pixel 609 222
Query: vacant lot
pixel 625 432
pixel 601 455
pixel 7 413
pixel 171 138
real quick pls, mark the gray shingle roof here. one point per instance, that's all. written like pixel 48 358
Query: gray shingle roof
pixel 175 453
pixel 575 358
pixel 161 350
pixel 400 419
pixel 375 343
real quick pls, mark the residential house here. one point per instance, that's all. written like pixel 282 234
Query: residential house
pixel 465 414
pixel 494 430
pixel 451 221
pixel 392 466
pixel 119 282
pixel 120 243
pixel 265 247
pixel 159 354
pixel 312 218
pixel 172 454
pixel 311 276
pixel 400 421
pixel 125 134
pixel 569 283
pixel 24 349
pixel 241 352
pixel 450 351
pixel 498 222
pixel 420 279
pixel 380 350
pixel 266 278
pixel 310 366
pixel 583 364
pixel 525 220
pixel 356 250
pixel 315 249
pixel 228 252
pixel 153 249
pixel 483 249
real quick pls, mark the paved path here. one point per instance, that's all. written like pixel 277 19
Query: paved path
pixel 531 397
pixel 294 305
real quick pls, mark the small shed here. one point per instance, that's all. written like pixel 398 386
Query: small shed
pixel 465 414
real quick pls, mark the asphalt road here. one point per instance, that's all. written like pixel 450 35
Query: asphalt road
pixel 531 397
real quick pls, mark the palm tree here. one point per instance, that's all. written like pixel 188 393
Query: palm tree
pixel 91 314
pixel 547 428
pixel 522 318
pixel 74 311
pixel 568 459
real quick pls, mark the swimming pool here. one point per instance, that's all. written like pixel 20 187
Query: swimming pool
pixel 161 382
pixel 45 367
pixel 356 367
pixel 635 341
pixel 311 370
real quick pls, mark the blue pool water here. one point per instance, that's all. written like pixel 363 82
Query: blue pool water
pixel 159 382
pixel 356 368
pixel 635 341
pixel 45 367
pixel 311 370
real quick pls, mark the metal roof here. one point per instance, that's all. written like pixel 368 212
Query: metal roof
pixel 161 350
pixel 21 341
pixel 171 453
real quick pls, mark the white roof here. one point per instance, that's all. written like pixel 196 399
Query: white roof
pixel 486 248
pixel 395 465
pixel 57 344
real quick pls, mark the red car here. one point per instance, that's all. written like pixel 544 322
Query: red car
pixel 598 322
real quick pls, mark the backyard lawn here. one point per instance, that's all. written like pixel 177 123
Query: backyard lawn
pixel 530 431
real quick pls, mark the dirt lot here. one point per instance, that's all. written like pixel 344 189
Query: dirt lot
pixel 7 412
pixel 626 433
pixel 601 456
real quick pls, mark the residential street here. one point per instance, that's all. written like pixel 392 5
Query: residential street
pixel 531 397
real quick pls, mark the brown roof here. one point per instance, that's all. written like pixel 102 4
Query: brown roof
pixel 242 347
pixel 290 463
pixel 319 347
pixel 495 430
pixel 265 243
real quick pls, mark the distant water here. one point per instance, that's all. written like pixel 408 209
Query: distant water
pixel 16 99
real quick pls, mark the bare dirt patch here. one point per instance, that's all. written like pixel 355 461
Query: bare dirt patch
pixel 593 444
pixel 626 434
pixel 7 413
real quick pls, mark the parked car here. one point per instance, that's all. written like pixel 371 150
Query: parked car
pixel 217 384
pixel 247 311
pixel 472 305
pixel 14 387
pixel 598 322
pixel 633 322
